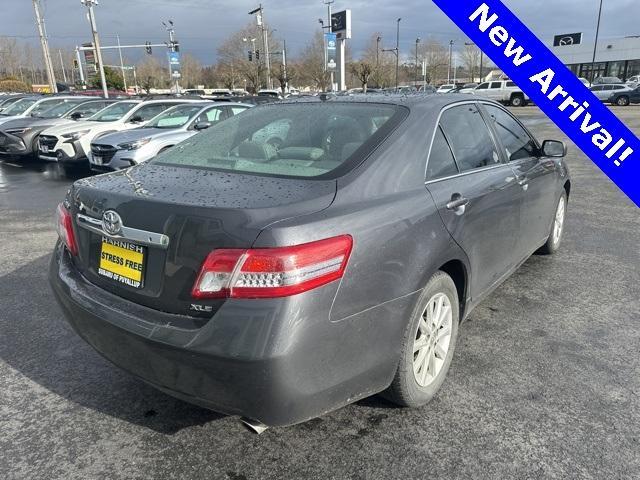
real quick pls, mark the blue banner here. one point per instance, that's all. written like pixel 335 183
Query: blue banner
pixel 331 40
pixel 553 87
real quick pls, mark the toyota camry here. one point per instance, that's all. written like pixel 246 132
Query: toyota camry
pixel 306 254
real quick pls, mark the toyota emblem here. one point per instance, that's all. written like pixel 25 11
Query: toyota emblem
pixel 111 222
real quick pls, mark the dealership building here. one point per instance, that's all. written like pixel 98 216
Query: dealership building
pixel 614 58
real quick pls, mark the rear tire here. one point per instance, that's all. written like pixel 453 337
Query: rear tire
pixel 622 101
pixel 517 101
pixel 557 228
pixel 428 345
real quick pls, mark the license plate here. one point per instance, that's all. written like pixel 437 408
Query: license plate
pixel 44 149
pixel 122 262
pixel 97 160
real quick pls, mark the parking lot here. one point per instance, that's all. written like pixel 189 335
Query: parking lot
pixel 545 382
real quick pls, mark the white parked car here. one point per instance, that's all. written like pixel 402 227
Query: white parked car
pixel 603 92
pixel 446 88
pixel 31 106
pixel 70 144
pixel 633 81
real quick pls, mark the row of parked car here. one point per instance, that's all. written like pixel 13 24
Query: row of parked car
pixel 106 135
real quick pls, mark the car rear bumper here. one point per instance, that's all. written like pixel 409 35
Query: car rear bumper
pixel 268 360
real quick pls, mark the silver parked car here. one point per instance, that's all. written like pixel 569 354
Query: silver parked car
pixel 603 92
pixel 119 150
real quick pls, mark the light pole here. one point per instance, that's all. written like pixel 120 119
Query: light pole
pixel 450 58
pixel 124 77
pixel 328 3
pixel 416 64
pixel 595 46
pixel 396 50
pixel 378 40
pixel 173 47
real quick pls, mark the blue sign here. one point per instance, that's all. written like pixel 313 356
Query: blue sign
pixel 174 58
pixel 331 41
pixel 553 87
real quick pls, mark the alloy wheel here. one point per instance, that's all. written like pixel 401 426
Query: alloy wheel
pixel 432 339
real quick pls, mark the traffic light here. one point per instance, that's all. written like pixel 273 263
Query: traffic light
pixel 250 55
pixel 148 48
pixel 257 54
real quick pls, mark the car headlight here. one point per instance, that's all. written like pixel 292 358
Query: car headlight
pixel 134 145
pixel 17 131
pixel 75 135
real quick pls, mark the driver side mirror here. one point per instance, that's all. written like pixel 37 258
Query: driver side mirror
pixel 136 119
pixel 202 125
pixel 554 148
pixel 76 116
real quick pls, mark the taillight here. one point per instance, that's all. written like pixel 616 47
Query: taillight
pixel 65 229
pixel 272 272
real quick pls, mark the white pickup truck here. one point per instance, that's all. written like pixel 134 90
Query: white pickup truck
pixel 503 91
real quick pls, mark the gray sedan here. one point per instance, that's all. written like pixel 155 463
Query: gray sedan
pixel 307 254
pixel 119 150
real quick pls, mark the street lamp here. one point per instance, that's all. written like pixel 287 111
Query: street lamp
pixel 96 43
pixel 396 50
pixel 378 40
pixel 595 46
pixel 450 59
pixel 416 65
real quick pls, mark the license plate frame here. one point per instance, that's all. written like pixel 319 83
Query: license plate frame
pixel 122 261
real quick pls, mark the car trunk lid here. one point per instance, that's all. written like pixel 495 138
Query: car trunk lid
pixel 193 211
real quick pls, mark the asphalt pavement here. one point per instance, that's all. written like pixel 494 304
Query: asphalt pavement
pixel 545 382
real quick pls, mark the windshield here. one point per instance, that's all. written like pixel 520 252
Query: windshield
pixel 289 140
pixel 19 107
pixel 174 117
pixel 58 110
pixel 86 109
pixel 113 112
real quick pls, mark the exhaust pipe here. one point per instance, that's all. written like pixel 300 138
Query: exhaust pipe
pixel 253 425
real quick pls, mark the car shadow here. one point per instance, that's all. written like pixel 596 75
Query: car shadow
pixel 37 342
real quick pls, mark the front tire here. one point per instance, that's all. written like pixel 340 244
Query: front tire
pixel 557 228
pixel 429 344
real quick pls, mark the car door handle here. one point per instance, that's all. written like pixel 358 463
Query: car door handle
pixel 457 201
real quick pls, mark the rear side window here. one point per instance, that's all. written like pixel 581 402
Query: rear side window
pixel 515 139
pixel 147 112
pixel 290 140
pixel 441 162
pixel 496 84
pixel 511 84
pixel 469 137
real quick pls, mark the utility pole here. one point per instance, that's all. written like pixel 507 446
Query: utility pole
pixel 64 73
pixel 48 64
pixel 124 77
pixel 284 66
pixel 80 69
pixel 595 47
pixel 259 13
pixel 378 40
pixel 96 44
pixel 450 58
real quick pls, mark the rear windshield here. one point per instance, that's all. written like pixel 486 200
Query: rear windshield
pixel 113 112
pixel 290 140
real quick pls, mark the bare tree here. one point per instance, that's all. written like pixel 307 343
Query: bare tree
pixel 362 70
pixel 312 64
pixel 151 74
pixel 471 59
pixel 436 57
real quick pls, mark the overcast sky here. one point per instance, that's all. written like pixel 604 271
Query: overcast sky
pixel 201 25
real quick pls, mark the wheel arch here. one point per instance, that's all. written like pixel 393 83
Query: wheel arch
pixel 457 270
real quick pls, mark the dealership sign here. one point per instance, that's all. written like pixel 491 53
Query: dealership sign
pixel 553 87
pixel 567 39
pixel 174 63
